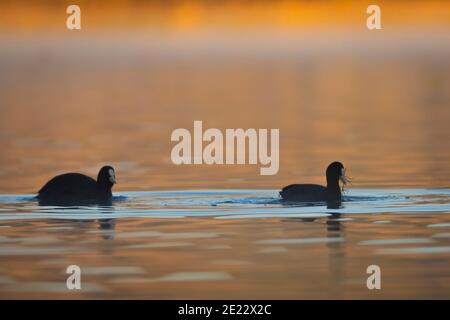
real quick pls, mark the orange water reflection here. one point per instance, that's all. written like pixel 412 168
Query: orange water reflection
pixel 73 104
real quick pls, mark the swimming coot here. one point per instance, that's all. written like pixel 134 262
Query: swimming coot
pixel 78 189
pixel 317 193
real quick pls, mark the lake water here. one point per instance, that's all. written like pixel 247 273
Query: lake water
pixel 229 244
pixel 377 101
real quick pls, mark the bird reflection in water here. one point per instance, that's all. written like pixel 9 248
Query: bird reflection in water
pixel 106 226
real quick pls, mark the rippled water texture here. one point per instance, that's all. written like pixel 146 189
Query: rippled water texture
pixel 377 101
pixel 229 244
pixel 379 104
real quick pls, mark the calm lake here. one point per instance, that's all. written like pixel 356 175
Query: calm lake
pixel 240 244
pixel 379 104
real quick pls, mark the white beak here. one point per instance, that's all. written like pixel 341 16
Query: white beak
pixel 343 178
pixel 112 177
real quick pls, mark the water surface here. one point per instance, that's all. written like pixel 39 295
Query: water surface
pixel 228 244
pixel 376 101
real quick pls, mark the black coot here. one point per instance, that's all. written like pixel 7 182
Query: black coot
pixel 317 193
pixel 78 189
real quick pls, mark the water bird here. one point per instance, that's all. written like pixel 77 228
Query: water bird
pixel 317 193
pixel 78 189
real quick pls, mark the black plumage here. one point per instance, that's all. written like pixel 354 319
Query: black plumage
pixel 317 193
pixel 78 189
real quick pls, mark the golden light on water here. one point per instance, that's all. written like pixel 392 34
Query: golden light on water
pixel 32 16
pixel 113 91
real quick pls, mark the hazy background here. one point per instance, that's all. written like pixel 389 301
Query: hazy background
pixel 112 92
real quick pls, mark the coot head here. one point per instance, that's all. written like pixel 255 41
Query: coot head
pixel 336 172
pixel 106 177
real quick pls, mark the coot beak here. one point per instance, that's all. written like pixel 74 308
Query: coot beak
pixel 112 176
pixel 343 177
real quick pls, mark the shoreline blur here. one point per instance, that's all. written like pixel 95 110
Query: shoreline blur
pixel 196 15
